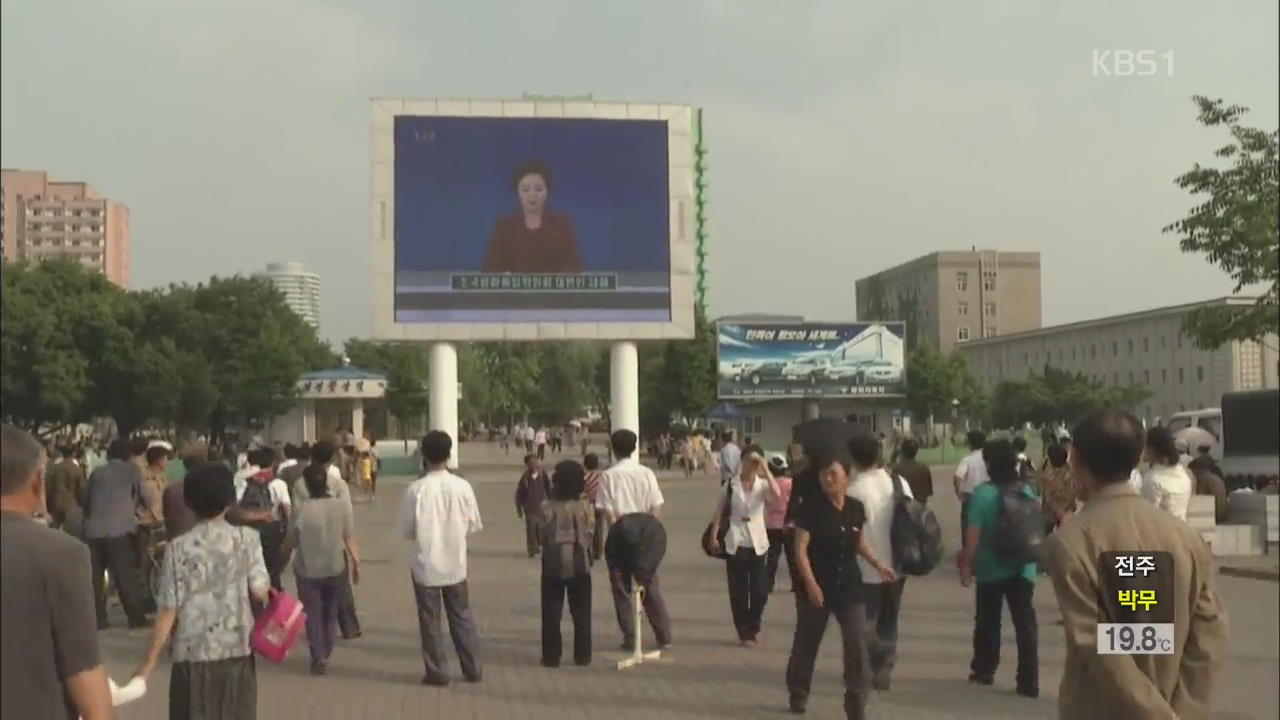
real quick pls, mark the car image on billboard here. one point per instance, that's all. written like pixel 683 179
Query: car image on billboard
pixel 810 360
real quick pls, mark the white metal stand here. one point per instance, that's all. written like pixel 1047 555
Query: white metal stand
pixel 442 398
pixel 638 655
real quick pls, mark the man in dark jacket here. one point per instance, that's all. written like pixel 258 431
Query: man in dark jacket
pixel 534 488
pixel 916 473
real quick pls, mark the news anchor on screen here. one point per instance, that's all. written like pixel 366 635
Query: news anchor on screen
pixel 534 238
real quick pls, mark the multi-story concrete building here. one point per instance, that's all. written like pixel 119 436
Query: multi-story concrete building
pixel 948 298
pixel 43 218
pixel 301 289
pixel 1143 348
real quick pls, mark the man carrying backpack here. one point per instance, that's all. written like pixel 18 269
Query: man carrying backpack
pixel 873 487
pixel 262 502
pixel 1003 536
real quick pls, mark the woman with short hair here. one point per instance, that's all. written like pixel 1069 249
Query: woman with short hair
pixel 565 533
pixel 828 541
pixel 742 505
pixel 207 578
pixel 1167 483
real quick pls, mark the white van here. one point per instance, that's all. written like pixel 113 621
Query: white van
pixel 1208 418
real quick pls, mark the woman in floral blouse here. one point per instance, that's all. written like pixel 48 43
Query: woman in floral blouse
pixel 206 580
pixel 1057 488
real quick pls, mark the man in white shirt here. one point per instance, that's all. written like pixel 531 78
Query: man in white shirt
pixel 970 473
pixel 626 488
pixel 540 441
pixel 437 514
pixel 873 487
pixel 290 458
pixel 730 459
pixel 268 515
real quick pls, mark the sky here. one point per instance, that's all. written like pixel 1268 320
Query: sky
pixel 845 137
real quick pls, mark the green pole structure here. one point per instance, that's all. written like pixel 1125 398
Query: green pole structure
pixel 700 206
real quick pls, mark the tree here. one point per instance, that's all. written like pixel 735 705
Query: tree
pixel 566 374
pixel 76 347
pixel 507 374
pixel 1236 226
pixel 254 345
pixel 1057 395
pixel 405 366
pixel 940 385
pixel 45 376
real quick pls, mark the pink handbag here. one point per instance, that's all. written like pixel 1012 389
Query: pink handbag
pixel 278 627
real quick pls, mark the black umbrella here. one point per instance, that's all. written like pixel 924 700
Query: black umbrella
pixel 824 436
pixel 821 438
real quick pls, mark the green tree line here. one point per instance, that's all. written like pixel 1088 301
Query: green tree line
pixel 203 357
pixel 228 352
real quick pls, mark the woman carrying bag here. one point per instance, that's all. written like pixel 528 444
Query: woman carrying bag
pixel 744 542
pixel 206 580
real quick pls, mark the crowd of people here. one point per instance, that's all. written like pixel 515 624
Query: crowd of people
pixel 828 509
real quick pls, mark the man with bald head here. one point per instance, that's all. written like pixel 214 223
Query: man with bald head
pixel 52 668
pixel 1107 446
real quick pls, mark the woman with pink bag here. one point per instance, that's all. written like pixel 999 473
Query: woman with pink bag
pixel 206 580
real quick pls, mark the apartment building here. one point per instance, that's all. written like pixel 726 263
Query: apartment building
pixel 43 218
pixel 1143 348
pixel 948 298
pixel 301 289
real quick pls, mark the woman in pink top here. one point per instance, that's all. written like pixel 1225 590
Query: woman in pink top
pixel 775 522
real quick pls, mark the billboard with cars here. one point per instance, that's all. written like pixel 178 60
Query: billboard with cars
pixel 799 360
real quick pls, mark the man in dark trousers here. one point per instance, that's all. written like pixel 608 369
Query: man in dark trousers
pixel 111 519
pixel 534 488
pixel 52 667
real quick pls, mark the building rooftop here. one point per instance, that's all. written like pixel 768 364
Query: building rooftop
pixel 346 372
pixel 1095 322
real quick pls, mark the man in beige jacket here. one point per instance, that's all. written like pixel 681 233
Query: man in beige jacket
pixel 1107 446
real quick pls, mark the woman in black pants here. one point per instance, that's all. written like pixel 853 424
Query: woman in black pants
pixel 828 539
pixel 746 541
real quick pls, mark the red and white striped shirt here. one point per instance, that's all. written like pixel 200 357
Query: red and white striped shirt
pixel 593 484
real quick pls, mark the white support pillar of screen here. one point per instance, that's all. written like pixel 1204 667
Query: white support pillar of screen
pixel 624 386
pixel 442 396
pixel 357 417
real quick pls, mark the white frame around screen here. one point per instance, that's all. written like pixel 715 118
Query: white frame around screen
pixel 680 140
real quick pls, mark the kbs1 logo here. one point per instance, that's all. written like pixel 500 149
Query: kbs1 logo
pixel 1132 63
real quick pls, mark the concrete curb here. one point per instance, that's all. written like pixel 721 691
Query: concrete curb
pixel 1250 573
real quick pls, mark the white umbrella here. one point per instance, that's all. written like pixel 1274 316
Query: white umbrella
pixel 1195 438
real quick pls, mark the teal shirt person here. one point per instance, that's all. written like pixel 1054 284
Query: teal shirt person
pixel 984 510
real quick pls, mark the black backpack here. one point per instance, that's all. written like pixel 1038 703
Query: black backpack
pixel 1019 531
pixel 257 497
pixel 915 533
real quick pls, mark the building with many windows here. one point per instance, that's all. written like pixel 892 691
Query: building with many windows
pixel 301 289
pixel 949 298
pixel 43 218
pixel 1143 348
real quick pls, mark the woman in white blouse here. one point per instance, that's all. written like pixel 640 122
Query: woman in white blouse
pixel 1167 483
pixel 746 541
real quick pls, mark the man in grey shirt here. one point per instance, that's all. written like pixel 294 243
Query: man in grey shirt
pixel 52 667
pixel 110 522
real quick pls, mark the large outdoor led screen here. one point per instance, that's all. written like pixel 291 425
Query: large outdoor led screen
pixel 772 360
pixel 505 219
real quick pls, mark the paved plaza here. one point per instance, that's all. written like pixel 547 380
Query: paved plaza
pixel 706 675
